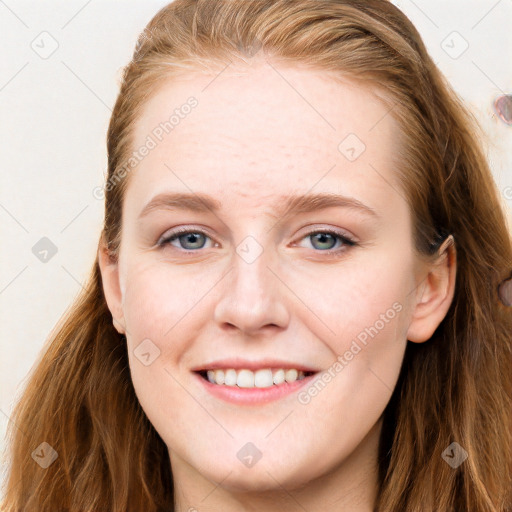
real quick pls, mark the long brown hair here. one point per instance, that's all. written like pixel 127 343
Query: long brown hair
pixel 454 388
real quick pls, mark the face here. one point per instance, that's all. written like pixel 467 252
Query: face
pixel 254 283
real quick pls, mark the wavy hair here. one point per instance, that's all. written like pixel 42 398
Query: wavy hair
pixel 456 387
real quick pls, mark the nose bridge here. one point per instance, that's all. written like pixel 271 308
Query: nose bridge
pixel 251 273
pixel 252 295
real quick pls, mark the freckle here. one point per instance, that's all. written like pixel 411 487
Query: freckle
pixel 503 107
pixel 505 292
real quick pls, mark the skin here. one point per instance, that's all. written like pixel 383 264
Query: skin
pixel 253 138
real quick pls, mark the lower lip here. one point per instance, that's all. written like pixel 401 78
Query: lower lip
pixel 253 396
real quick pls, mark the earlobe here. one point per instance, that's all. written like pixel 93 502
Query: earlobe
pixel 435 294
pixel 111 286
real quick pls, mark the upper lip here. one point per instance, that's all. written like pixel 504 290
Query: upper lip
pixel 240 364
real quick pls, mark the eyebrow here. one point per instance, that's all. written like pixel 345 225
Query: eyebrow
pixel 203 203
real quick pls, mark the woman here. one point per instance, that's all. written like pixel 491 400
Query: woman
pixel 222 359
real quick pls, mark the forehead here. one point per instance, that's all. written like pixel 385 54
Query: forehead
pixel 264 132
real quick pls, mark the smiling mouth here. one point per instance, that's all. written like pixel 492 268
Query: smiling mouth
pixel 244 378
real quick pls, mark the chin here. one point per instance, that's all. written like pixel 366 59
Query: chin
pixel 251 480
pixel 259 478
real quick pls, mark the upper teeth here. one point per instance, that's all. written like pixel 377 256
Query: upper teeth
pixel 248 379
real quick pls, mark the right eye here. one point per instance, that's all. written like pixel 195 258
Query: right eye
pixel 185 236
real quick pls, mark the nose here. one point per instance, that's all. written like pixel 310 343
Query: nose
pixel 252 297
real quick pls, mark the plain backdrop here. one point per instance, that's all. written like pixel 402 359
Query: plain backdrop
pixel 59 77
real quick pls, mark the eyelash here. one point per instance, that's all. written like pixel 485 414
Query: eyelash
pixel 347 242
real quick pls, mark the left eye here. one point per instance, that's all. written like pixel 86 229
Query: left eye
pixel 195 239
pixel 328 237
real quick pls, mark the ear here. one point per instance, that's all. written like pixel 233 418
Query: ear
pixel 111 285
pixel 435 294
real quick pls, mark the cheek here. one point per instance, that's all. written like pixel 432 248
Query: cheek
pixel 157 300
pixel 371 316
pixel 367 315
pixel 362 299
pixel 155 308
pixel 165 311
pixel 364 313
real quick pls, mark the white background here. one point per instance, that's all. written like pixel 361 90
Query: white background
pixel 54 117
